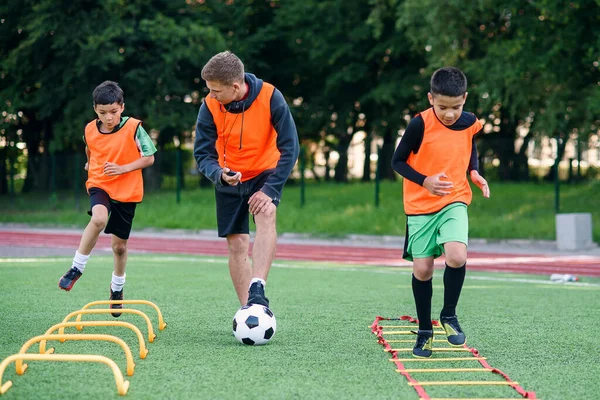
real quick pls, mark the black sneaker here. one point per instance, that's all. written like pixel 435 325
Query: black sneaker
pixel 454 334
pixel 68 280
pixel 423 344
pixel 116 296
pixel 256 295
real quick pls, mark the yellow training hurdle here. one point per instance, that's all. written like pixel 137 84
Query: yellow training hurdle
pixel 122 384
pixel 161 323
pixel 143 348
pixel 21 368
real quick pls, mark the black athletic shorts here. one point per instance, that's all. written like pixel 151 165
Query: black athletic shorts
pixel 232 204
pixel 120 215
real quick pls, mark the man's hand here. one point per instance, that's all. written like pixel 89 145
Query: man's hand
pixel 260 202
pixel 112 169
pixel 481 183
pixel 436 185
pixel 231 180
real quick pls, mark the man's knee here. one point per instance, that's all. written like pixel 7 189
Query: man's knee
pixel 238 243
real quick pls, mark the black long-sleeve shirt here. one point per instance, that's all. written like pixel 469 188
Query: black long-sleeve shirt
pixel 411 142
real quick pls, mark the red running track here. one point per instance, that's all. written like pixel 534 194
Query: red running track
pixel 514 263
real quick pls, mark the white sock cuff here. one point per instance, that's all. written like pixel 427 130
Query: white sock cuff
pixel 119 280
pixel 81 258
pixel 258 280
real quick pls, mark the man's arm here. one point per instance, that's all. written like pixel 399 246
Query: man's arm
pixel 287 144
pixel 205 151
pixel 410 143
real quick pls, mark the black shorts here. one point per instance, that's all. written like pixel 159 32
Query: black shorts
pixel 120 215
pixel 232 204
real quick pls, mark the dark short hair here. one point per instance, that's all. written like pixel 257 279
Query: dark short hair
pixel 448 81
pixel 108 92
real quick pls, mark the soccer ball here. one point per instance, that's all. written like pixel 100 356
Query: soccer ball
pixel 254 325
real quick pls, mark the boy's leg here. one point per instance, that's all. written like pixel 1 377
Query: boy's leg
pixel 239 267
pixel 87 242
pixel 93 229
pixel 454 231
pixel 422 291
pixel 119 247
pixel 454 275
pixel 119 225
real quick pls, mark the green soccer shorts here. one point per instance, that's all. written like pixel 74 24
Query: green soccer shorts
pixel 426 234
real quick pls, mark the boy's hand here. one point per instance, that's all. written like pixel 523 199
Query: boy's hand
pixel 231 180
pixel 86 166
pixel 260 202
pixel 112 169
pixel 481 183
pixel 437 186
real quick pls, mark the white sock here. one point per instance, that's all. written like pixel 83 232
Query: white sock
pixel 117 282
pixel 80 260
pixel 258 280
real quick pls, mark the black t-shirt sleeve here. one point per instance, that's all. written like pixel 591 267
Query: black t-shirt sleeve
pixel 474 160
pixel 410 143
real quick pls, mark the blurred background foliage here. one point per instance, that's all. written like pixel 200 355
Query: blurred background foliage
pixel 345 66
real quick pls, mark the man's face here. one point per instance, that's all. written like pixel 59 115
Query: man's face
pixel 109 114
pixel 448 109
pixel 224 94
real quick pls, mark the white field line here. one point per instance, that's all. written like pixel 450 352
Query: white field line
pixel 313 267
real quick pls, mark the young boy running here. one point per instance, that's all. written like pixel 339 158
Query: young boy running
pixel 117 149
pixel 434 156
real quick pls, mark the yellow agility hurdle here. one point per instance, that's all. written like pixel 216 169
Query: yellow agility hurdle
pixel 151 334
pixel 21 367
pixel 161 323
pixel 143 348
pixel 122 384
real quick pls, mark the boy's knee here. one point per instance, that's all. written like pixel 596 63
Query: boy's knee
pixel 120 249
pixel 456 259
pixel 99 222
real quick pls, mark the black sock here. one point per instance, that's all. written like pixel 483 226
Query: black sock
pixel 453 283
pixel 423 290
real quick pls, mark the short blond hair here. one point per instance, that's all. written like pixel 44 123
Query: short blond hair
pixel 225 68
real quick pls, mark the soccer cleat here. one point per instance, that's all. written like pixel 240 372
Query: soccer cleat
pixel 454 334
pixel 423 344
pixel 256 295
pixel 67 281
pixel 116 296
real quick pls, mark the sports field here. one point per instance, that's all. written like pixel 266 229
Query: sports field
pixel 542 335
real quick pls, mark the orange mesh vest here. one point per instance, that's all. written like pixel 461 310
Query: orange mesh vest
pixel 442 150
pixel 120 148
pixel 248 140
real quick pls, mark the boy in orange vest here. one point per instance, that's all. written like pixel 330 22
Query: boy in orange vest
pixel 434 156
pixel 247 145
pixel 117 149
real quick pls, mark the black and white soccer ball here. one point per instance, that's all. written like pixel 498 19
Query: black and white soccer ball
pixel 254 325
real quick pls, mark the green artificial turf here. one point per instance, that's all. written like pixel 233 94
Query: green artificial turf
pixel 542 336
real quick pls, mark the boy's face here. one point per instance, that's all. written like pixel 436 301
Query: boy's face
pixel 109 114
pixel 448 109
pixel 224 94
